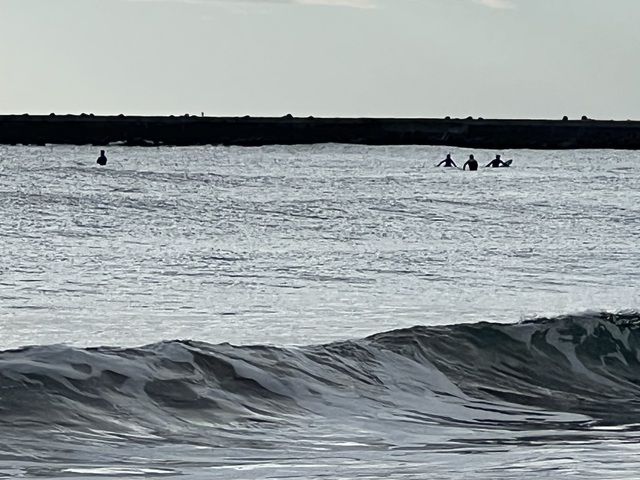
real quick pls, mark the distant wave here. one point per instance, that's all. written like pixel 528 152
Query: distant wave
pixel 584 365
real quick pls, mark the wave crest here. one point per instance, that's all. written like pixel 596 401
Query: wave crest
pixel 586 364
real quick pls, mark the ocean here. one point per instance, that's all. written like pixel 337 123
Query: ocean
pixel 318 312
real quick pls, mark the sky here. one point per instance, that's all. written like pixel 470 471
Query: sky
pixel 325 58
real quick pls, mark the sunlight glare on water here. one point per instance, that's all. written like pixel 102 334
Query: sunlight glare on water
pixel 292 255
pixel 305 244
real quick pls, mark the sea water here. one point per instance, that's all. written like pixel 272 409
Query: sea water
pixel 326 311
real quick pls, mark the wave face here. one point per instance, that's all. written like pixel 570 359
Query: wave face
pixel 587 364
pixel 577 371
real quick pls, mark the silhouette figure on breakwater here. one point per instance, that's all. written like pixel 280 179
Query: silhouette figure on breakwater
pixel 496 162
pixel 102 159
pixel 472 162
pixel 448 162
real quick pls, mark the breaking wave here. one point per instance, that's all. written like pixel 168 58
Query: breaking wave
pixel 579 369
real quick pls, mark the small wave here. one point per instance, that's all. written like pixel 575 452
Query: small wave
pixel 586 363
pixel 586 366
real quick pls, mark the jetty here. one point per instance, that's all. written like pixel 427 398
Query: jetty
pixel 87 129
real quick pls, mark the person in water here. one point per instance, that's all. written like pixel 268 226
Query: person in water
pixel 472 162
pixel 496 162
pixel 102 159
pixel 448 162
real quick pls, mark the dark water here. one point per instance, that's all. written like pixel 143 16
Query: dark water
pixel 562 383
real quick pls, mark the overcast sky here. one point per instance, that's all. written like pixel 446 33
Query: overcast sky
pixel 361 58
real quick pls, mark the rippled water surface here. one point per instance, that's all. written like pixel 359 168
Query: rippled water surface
pixel 297 245
pixel 282 250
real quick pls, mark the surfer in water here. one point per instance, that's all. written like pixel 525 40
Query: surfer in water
pixel 472 162
pixel 102 159
pixel 448 162
pixel 496 162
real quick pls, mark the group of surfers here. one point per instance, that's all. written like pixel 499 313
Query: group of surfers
pixel 472 163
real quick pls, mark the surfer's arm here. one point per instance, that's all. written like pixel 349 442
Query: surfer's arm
pixel 440 163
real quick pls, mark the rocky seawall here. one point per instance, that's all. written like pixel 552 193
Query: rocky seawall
pixel 253 131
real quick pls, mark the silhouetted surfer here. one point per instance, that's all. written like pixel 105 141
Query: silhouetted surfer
pixel 472 162
pixel 496 162
pixel 448 162
pixel 102 159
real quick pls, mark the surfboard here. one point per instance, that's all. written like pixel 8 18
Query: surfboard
pixel 507 163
